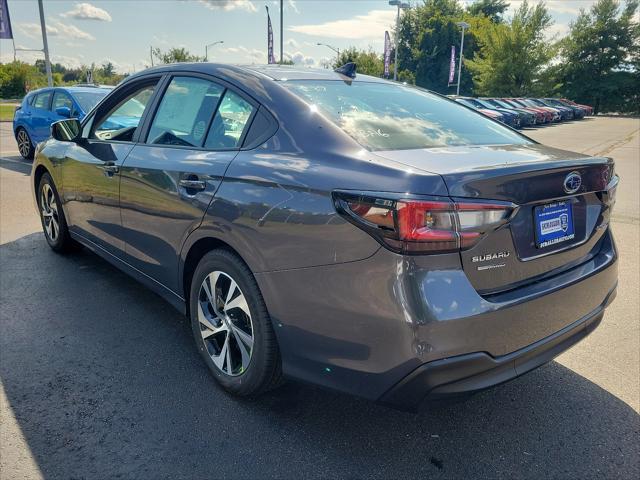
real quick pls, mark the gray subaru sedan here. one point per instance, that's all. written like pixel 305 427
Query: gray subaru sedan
pixel 331 227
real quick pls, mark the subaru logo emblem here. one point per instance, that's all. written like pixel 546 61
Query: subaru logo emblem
pixel 572 182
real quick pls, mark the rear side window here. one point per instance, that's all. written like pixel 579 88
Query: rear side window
pixel 229 123
pixel 185 112
pixel 42 100
pixel 383 116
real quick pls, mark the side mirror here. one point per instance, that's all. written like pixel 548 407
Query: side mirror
pixel 64 112
pixel 66 130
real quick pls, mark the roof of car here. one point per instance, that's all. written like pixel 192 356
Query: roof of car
pixel 274 72
pixel 76 88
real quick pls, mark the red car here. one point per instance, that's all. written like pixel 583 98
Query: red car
pixel 542 116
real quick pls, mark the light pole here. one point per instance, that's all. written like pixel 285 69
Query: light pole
pixel 206 49
pixel 403 6
pixel 45 45
pixel 462 25
pixel 337 50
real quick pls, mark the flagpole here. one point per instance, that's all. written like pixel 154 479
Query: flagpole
pixel 281 30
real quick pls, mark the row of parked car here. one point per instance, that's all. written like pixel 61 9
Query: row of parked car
pixel 527 112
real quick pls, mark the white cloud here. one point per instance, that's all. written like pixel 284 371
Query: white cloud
pixel 55 29
pixel 290 42
pixel 252 55
pixel 86 11
pixel 67 31
pixel 299 58
pixel 561 7
pixel 557 30
pixel 292 5
pixel 228 5
pixel 67 61
pixel 371 25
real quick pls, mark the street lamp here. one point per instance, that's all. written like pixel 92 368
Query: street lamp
pixel 403 6
pixel 337 50
pixel 206 49
pixel 462 25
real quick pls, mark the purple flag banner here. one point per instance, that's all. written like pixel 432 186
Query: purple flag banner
pixel 387 54
pixel 5 21
pixel 452 65
pixel 270 56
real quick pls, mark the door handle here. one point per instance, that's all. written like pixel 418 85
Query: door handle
pixel 193 184
pixel 110 169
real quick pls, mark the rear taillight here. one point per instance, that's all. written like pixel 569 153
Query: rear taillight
pixel 609 195
pixel 420 225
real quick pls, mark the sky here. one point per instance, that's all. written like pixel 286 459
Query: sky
pixel 122 31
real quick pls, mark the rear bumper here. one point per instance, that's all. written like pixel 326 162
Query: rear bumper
pixel 370 326
pixel 477 371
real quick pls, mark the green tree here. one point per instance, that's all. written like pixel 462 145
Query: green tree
pixel 108 70
pixel 17 78
pixel 368 62
pixel 425 37
pixel 175 55
pixel 601 57
pixel 513 55
pixel 492 9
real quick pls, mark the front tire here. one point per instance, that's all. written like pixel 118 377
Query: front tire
pixel 25 145
pixel 231 325
pixel 54 223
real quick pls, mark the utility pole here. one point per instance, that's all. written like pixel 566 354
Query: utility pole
pixel 462 25
pixel 45 45
pixel 151 54
pixel 281 30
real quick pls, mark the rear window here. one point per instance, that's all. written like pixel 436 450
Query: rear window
pixel 384 116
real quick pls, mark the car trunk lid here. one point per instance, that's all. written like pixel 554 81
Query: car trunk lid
pixel 552 229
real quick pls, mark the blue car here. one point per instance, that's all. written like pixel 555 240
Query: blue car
pixel 39 109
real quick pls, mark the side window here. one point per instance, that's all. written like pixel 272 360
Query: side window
pixel 30 99
pixel 229 122
pixel 185 112
pixel 121 121
pixel 42 100
pixel 61 99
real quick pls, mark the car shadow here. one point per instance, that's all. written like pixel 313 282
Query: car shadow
pixel 104 381
pixel 16 164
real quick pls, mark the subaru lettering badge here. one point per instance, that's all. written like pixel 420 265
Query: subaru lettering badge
pixel 572 182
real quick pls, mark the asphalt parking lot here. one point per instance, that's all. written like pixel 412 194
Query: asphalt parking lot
pixel 100 378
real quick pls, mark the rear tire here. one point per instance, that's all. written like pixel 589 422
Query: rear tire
pixel 231 325
pixel 54 223
pixel 25 145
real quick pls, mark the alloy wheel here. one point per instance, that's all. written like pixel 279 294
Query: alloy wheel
pixel 225 323
pixel 49 210
pixel 24 143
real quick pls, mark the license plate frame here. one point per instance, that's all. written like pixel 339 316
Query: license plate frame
pixel 553 224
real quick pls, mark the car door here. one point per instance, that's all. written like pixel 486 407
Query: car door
pixel 169 180
pixel 91 168
pixel 40 118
